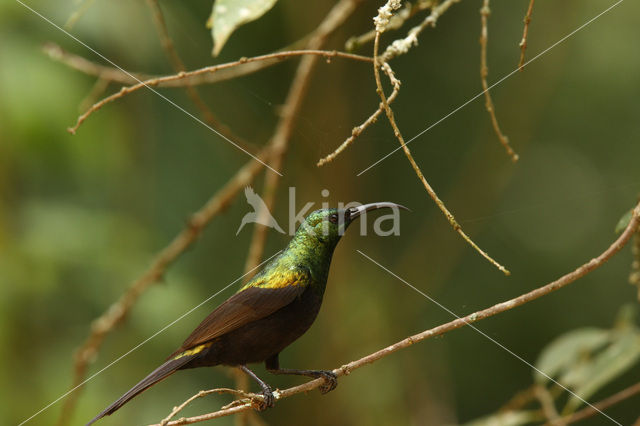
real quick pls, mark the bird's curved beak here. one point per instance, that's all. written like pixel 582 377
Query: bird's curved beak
pixel 355 212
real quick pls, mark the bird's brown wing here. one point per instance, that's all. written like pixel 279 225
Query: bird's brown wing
pixel 249 305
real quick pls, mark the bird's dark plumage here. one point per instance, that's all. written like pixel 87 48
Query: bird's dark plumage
pixel 242 308
pixel 266 315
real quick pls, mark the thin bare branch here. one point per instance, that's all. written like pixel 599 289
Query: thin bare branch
pixel 525 34
pixel 496 309
pixel 484 72
pixel 158 81
pixel 452 221
pixel 118 311
pixel 165 38
pixel 336 16
pixel 88 67
pixel 604 404
pixel 178 66
pixel 356 131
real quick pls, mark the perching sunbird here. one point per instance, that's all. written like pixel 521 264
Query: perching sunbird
pixel 269 313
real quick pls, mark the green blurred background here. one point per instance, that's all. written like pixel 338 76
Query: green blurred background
pixel 82 216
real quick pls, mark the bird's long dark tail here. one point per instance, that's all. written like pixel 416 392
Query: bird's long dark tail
pixel 160 373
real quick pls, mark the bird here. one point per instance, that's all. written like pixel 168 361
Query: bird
pixel 258 207
pixel 268 313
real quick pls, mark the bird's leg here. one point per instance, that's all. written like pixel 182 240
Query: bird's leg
pixel 330 378
pixel 267 393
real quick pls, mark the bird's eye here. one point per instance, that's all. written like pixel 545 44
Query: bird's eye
pixel 333 218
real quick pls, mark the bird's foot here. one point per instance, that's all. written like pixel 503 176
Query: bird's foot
pixel 330 380
pixel 268 400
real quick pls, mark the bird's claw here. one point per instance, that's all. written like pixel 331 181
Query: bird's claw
pixel 330 381
pixel 267 401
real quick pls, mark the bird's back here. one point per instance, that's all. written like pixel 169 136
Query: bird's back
pixel 269 304
pixel 262 338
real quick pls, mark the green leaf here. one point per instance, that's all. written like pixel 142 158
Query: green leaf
pixel 565 352
pixel 508 418
pixel 228 15
pixel 617 358
pixel 624 221
pixel 586 360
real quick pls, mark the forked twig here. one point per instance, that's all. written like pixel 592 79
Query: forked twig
pixel 356 131
pixel 203 393
pixel 397 21
pixel 402 46
pixel 396 48
pixel 452 221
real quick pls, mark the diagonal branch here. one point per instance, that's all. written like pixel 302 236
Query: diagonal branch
pixel 604 404
pixel 496 309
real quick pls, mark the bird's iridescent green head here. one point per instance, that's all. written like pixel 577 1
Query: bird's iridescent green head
pixel 316 238
pixel 326 226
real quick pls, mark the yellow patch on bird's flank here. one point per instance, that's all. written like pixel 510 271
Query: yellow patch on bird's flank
pixel 282 280
pixel 193 351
